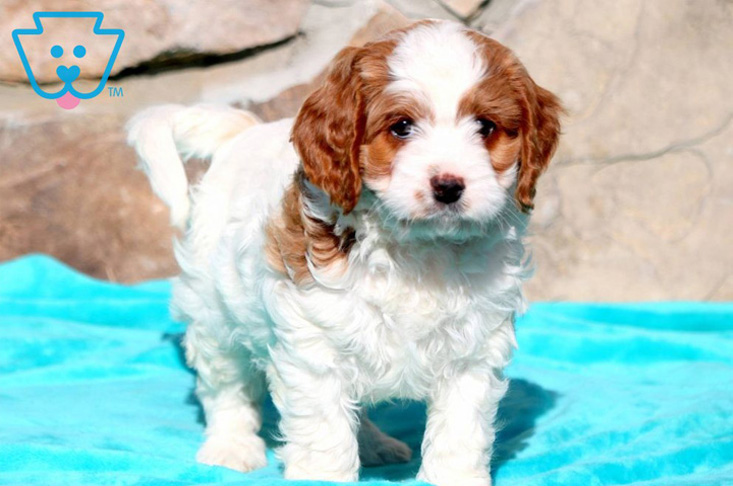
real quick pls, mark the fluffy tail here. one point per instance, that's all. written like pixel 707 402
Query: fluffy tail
pixel 164 137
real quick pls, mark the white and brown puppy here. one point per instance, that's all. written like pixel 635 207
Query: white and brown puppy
pixel 369 249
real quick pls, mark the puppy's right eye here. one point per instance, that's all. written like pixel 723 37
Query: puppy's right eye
pixel 486 127
pixel 402 129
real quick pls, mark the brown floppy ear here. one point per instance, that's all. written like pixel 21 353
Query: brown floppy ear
pixel 540 137
pixel 328 130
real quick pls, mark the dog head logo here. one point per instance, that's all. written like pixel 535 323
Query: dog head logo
pixel 59 54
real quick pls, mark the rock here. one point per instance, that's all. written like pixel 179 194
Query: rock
pixel 69 185
pixel 634 204
pixel 325 31
pixel 70 189
pixel 156 31
pixel 284 105
pixel 287 102
pixel 423 9
pixel 496 15
pixel 385 19
pixel 463 8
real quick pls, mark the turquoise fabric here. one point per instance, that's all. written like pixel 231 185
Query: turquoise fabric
pixel 93 390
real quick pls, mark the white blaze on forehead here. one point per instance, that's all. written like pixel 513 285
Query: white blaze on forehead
pixel 439 62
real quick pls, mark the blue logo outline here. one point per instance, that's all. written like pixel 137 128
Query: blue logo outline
pixel 97 30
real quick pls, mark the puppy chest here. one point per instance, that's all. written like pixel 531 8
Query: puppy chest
pixel 405 345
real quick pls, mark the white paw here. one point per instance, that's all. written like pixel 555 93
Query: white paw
pixel 316 473
pixel 241 453
pixel 384 450
pixel 451 478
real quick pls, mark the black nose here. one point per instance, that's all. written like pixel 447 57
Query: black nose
pixel 447 188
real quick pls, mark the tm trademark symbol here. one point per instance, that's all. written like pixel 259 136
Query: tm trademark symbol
pixel 115 92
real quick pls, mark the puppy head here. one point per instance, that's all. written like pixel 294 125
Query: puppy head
pixel 442 124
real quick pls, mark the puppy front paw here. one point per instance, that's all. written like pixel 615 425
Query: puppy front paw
pixel 321 464
pixel 318 472
pixel 241 453
pixel 454 478
pixel 384 450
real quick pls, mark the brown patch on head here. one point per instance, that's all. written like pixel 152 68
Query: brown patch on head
pixel 380 146
pixel 294 238
pixel 526 117
pixel 378 156
pixel 504 149
pixel 493 100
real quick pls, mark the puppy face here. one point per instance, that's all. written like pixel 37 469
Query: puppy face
pixel 442 125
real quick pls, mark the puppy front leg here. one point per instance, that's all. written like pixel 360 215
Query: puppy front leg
pixel 318 421
pixel 460 431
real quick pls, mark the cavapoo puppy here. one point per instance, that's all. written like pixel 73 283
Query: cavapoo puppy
pixel 369 249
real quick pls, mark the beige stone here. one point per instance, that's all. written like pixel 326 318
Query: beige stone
pixel 287 102
pixel 637 205
pixel 70 189
pixel 423 9
pixel 155 31
pixel 463 8
pixel 638 202
pixel 68 182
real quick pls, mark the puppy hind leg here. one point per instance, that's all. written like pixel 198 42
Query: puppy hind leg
pixel 377 448
pixel 230 391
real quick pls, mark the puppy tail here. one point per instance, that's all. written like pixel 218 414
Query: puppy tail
pixel 164 137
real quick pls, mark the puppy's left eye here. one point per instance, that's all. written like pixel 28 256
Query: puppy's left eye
pixel 402 129
pixel 485 127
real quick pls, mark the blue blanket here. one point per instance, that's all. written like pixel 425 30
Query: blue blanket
pixel 93 390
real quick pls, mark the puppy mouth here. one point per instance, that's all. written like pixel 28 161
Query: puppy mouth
pixel 441 216
pixel 437 213
pixel 68 101
pixel 452 210
pixel 441 213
